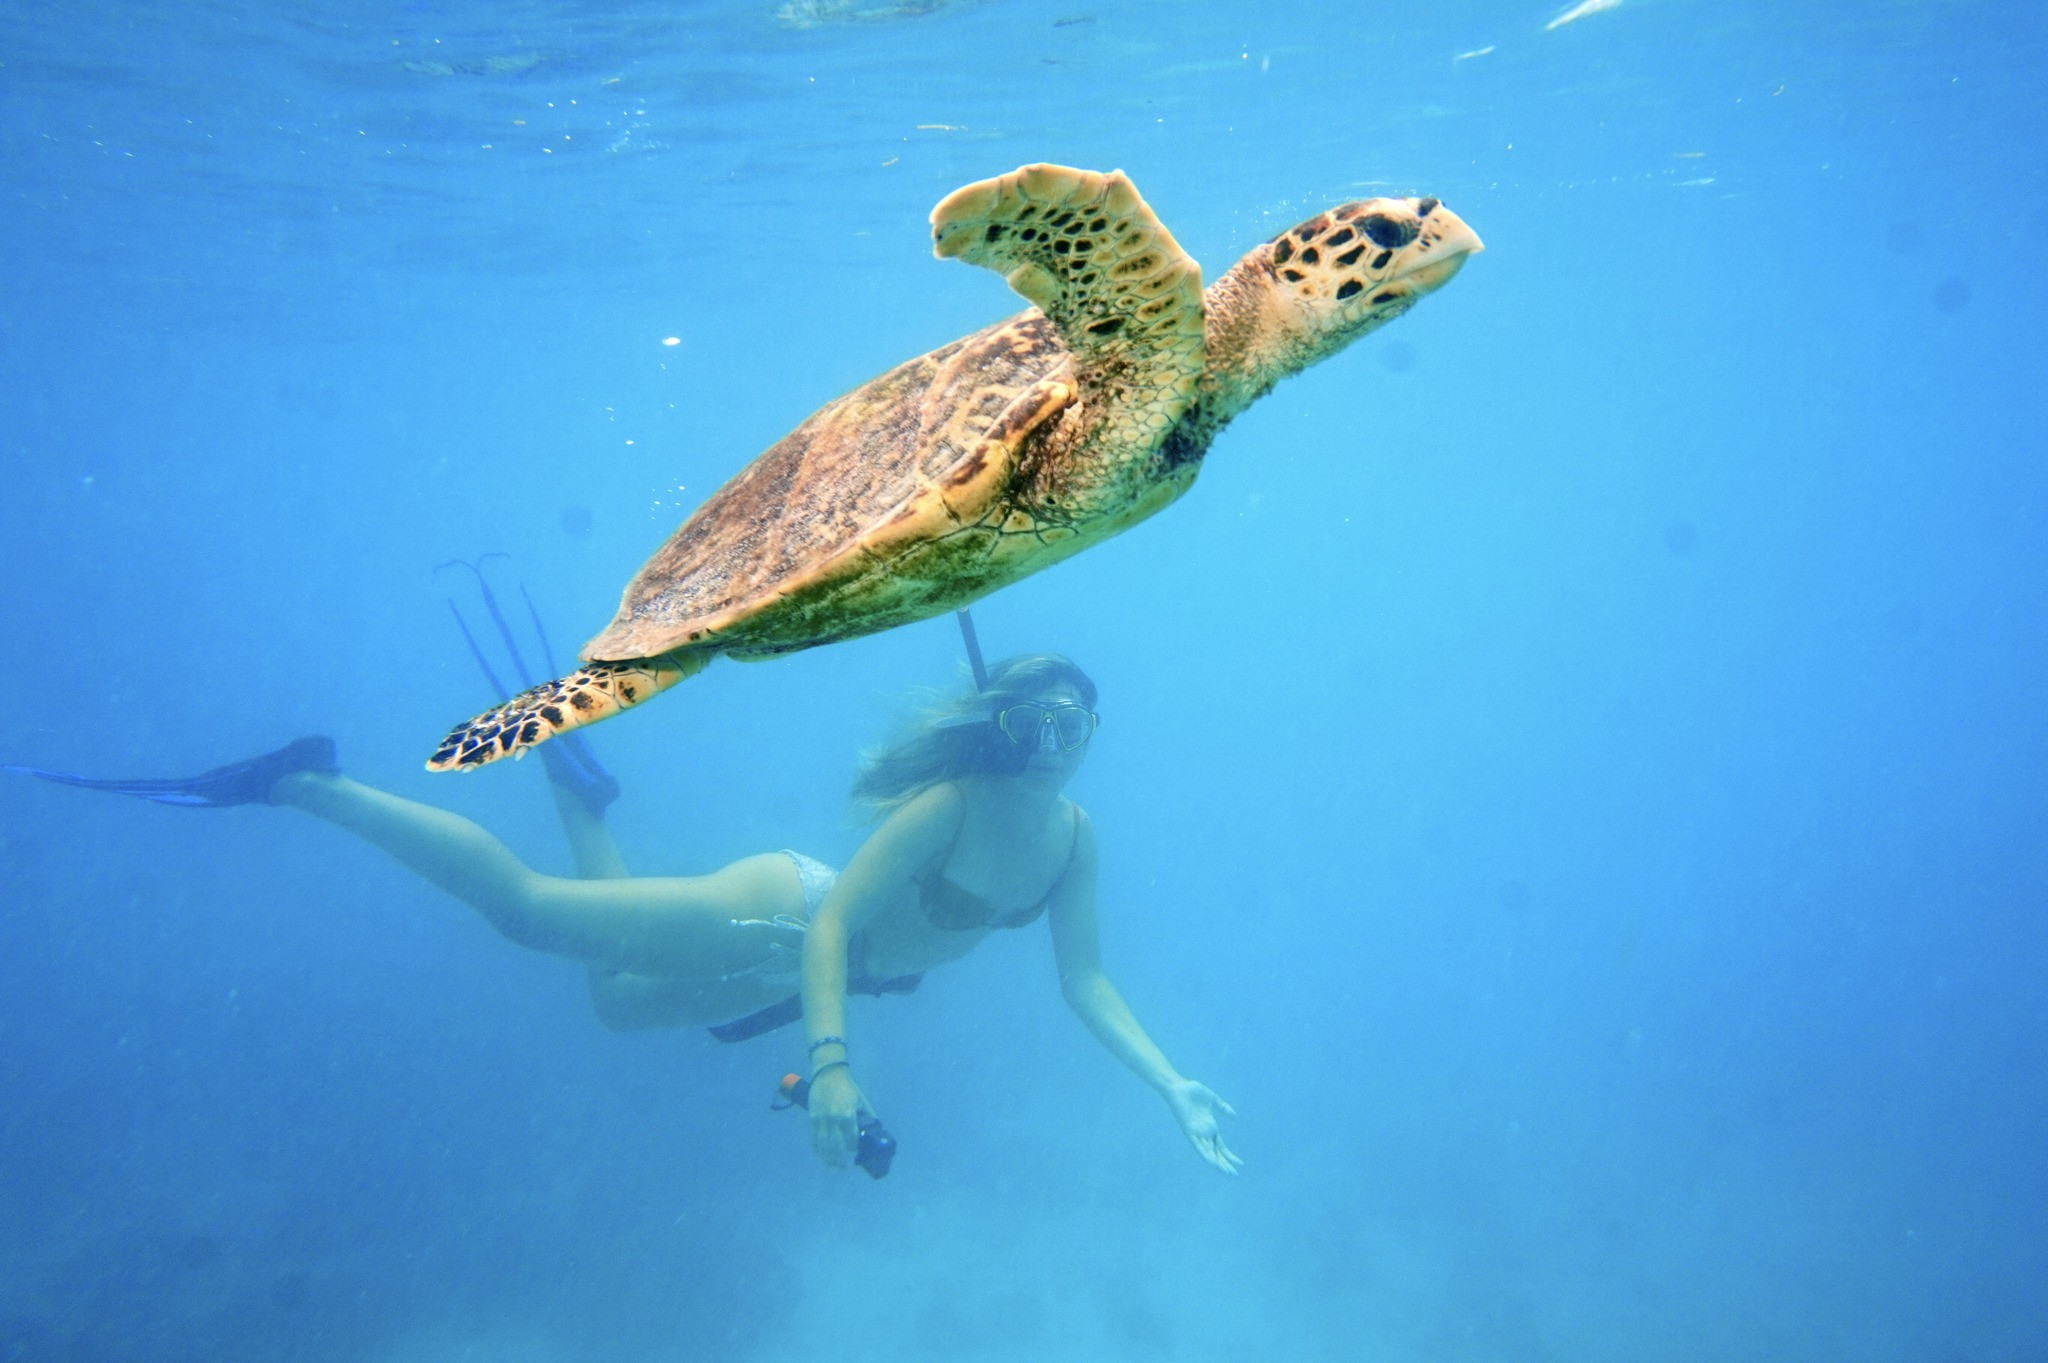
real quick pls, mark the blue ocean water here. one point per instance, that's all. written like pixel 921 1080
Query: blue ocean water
pixel 1571 774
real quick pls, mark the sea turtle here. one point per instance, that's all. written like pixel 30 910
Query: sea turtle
pixel 1004 452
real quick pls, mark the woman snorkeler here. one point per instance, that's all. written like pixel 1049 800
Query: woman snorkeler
pixel 975 836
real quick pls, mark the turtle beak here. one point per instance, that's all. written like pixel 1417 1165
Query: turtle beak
pixel 1457 235
pixel 1452 244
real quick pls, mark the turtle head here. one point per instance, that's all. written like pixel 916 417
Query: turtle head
pixel 1314 289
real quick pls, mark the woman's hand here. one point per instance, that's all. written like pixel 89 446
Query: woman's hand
pixel 1195 1107
pixel 836 1103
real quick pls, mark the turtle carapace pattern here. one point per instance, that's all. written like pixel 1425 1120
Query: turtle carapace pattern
pixel 1004 452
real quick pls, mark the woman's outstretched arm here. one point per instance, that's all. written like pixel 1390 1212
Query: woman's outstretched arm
pixel 1099 1004
pixel 881 872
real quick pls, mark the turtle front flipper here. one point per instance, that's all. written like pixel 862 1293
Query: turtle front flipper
pixel 1088 251
pixel 595 691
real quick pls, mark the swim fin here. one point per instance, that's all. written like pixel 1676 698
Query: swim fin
pixel 570 764
pixel 238 783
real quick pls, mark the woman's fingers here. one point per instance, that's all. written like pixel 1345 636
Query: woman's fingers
pixel 1221 1155
pixel 834 1138
pixel 1208 1143
pixel 1198 1107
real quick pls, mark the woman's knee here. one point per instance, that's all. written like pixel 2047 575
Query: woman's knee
pixel 530 909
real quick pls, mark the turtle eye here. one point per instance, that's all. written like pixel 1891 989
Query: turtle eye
pixel 1388 232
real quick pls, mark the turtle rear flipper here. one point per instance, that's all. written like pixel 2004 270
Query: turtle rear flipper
pixel 1087 249
pixel 571 765
pixel 595 691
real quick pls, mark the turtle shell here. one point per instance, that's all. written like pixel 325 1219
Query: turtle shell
pixel 797 518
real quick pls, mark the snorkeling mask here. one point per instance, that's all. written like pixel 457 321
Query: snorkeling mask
pixel 1029 725
pixel 1062 725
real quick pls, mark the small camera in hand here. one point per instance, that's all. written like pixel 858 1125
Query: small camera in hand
pixel 877 1146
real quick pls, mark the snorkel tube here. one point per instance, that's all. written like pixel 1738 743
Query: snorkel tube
pixel 973 642
pixel 1000 756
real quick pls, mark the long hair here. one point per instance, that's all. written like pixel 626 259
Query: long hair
pixel 956 735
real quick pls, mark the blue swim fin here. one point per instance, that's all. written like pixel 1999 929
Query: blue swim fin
pixel 568 761
pixel 238 783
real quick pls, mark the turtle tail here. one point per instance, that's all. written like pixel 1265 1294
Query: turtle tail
pixel 592 692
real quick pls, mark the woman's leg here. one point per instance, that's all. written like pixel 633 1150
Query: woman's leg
pixel 590 843
pixel 695 927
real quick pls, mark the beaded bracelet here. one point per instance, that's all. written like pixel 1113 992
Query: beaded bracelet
pixel 827 1041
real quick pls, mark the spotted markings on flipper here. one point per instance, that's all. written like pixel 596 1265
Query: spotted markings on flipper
pixel 1088 250
pixel 593 692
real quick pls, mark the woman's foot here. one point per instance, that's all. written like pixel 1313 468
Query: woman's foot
pixel 238 783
